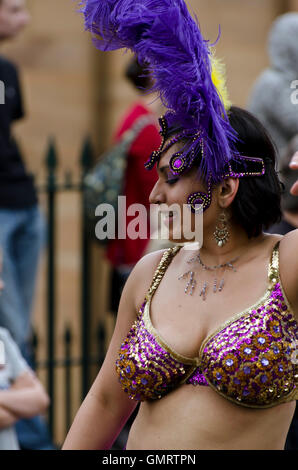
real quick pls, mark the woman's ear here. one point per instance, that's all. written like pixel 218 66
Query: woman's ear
pixel 227 191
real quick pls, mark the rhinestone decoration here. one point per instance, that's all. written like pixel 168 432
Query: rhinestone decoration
pixel 200 198
pixel 265 373
pixel 177 164
pixel 247 360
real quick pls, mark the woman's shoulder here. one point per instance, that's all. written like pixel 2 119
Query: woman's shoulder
pixel 143 273
pixel 288 266
pixel 289 247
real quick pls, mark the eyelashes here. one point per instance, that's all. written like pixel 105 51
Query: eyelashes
pixel 172 181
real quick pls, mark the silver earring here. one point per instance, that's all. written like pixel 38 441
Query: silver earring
pixel 221 233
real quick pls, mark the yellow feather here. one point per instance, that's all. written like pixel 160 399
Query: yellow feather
pixel 218 76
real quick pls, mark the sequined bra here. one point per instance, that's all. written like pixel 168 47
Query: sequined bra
pixel 250 360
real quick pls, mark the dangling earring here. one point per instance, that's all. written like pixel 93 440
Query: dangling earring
pixel 221 233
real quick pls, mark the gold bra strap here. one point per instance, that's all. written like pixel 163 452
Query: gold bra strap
pixel 273 270
pixel 165 261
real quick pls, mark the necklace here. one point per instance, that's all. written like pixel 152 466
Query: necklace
pixel 191 284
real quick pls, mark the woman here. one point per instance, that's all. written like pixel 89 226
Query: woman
pixel 190 417
pixel 205 376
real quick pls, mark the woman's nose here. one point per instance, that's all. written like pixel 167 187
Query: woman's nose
pixel 156 195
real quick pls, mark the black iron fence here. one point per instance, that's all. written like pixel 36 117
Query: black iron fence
pixel 51 189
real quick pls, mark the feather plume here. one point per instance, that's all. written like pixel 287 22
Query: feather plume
pixel 164 35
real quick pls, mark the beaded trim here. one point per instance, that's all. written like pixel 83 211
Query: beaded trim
pixel 234 174
pixel 156 154
pixel 178 163
pixel 273 278
pixel 194 361
pixel 163 265
pixel 200 198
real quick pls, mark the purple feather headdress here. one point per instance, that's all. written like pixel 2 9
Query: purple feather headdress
pixel 166 38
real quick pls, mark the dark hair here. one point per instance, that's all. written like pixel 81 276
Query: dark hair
pixel 138 75
pixel 258 200
pixel 257 204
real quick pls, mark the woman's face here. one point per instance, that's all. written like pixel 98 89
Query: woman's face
pixel 170 190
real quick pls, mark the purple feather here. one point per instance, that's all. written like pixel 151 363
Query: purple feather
pixel 163 34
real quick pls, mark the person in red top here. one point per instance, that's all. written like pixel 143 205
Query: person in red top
pixel 123 254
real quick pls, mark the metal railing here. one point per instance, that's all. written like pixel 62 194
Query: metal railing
pixel 50 190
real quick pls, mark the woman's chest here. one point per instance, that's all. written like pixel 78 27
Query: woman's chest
pixel 185 321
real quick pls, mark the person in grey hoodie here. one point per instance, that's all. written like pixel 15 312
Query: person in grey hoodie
pixel 274 97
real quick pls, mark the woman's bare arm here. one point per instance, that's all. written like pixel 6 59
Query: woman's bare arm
pixel 289 254
pixel 289 268
pixel 107 407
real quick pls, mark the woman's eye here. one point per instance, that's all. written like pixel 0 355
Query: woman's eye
pixel 172 181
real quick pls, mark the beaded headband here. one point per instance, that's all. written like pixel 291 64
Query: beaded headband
pixel 238 167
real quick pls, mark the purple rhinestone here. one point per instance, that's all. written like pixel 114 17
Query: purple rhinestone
pixel 247 350
pixel 275 350
pixel 264 361
pixel 144 381
pixel 246 370
pixel 128 369
pixel 178 163
pixel 218 376
pixel 264 378
pixel 236 381
pixel 198 201
pixel 276 329
pixel 280 368
pixel 261 340
pixel 245 392
pixel 229 362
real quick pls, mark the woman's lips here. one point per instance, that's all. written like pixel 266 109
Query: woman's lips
pixel 169 216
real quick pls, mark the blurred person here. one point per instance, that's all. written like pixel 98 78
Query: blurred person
pixel 205 335
pixel 21 393
pixel 22 224
pixel 123 254
pixel 289 202
pixel 271 99
pixel 289 222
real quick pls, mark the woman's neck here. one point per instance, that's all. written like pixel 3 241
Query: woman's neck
pixel 237 245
